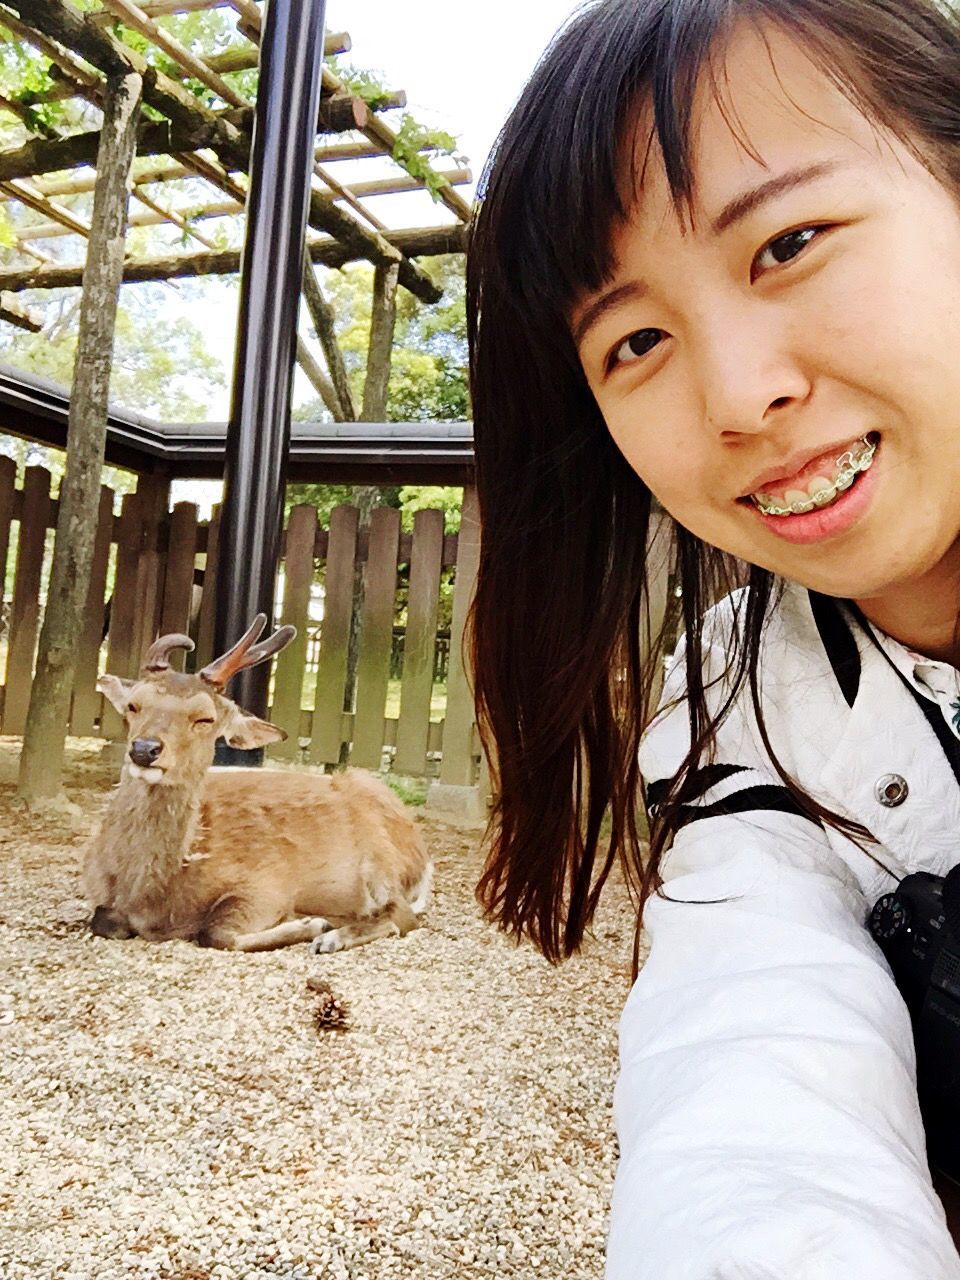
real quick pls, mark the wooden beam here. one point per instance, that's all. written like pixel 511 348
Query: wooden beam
pixel 53 230
pixel 25 115
pixel 383 138
pixel 60 21
pixel 51 48
pixel 28 194
pixel 54 155
pixel 321 383
pixel 172 216
pixel 162 8
pixel 15 313
pixel 424 242
pixel 144 175
pixel 393 186
pixel 321 313
pixel 340 192
pixel 132 16
pixel 245 57
pixel 351 151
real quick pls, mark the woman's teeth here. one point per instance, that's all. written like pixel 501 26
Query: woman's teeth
pixel 821 491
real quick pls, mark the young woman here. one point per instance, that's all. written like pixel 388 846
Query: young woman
pixel 716 264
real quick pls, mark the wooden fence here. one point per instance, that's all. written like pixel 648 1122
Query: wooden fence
pixel 145 569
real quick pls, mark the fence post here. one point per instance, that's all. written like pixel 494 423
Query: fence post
pixel 31 543
pixel 456 797
pixel 298 562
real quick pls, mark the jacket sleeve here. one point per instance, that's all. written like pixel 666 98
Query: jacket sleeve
pixel 766 1106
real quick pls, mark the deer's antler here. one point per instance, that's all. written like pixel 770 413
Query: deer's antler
pixel 158 655
pixel 245 653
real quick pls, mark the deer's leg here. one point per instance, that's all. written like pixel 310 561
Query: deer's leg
pixel 107 923
pixel 286 934
pixel 393 922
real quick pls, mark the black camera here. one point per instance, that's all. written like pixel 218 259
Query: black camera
pixel 918 930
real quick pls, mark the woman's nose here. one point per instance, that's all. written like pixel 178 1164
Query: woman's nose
pixel 749 377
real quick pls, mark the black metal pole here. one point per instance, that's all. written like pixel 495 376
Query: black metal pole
pixel 281 164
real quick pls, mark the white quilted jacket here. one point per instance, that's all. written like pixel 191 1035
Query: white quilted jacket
pixel 766 1106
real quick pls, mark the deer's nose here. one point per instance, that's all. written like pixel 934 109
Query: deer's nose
pixel 144 751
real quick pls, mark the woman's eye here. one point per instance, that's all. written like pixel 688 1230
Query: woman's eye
pixel 637 345
pixel 785 248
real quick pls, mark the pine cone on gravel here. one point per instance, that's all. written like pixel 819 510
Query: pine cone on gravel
pixel 331 1013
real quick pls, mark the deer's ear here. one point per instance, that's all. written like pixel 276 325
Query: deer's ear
pixel 246 732
pixel 116 691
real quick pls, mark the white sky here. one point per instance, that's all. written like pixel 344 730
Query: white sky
pixel 462 67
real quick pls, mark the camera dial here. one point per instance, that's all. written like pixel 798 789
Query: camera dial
pixel 889 918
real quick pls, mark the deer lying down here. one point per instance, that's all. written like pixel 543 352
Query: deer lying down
pixel 248 859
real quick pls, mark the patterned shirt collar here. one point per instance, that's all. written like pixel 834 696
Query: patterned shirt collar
pixel 937 681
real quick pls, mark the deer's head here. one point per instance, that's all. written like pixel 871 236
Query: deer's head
pixel 174 720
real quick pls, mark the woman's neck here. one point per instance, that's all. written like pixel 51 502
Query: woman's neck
pixel 922 614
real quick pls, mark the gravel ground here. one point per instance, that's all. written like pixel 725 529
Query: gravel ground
pixel 173 1112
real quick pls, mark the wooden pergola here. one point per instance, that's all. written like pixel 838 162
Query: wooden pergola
pixel 192 166
pixel 271 155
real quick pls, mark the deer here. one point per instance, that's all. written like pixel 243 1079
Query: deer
pixel 242 859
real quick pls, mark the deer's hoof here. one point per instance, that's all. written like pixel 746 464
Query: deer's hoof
pixel 327 942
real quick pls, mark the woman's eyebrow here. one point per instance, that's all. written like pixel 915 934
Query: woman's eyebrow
pixel 631 291
pixel 745 203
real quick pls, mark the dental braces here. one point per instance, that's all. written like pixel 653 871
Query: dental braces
pixel 850 464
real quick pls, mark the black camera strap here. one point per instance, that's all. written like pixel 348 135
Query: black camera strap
pixel 844 658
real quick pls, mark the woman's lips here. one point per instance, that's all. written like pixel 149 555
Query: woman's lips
pixel 827 522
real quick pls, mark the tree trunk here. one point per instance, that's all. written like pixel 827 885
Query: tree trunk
pixel 383 319
pixel 41 762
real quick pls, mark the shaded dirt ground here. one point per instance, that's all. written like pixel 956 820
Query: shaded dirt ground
pixel 172 1112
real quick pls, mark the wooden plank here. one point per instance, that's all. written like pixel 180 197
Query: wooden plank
pixel 153 496
pixel 25 616
pixel 123 653
pixel 85 707
pixel 208 600
pixel 419 643
pixel 8 498
pixel 456 767
pixel 334 637
pixel 376 637
pixel 178 579
pixel 298 575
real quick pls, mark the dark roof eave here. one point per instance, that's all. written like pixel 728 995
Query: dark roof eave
pixel 386 453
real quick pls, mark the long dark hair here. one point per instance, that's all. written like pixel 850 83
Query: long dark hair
pixel 563 649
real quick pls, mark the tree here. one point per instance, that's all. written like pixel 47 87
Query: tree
pixel 428 375
pixel 41 759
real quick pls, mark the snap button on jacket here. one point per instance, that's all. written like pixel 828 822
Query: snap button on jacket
pixel 891 790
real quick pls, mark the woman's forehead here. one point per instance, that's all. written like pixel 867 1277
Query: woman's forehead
pixel 761 108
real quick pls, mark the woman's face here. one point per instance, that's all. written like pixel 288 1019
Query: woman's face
pixel 815 304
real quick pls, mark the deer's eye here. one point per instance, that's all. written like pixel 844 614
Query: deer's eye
pixel 132 708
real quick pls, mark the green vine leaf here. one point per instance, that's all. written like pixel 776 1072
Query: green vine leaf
pixel 416 146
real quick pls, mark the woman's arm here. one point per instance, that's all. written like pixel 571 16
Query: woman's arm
pixel 766 1106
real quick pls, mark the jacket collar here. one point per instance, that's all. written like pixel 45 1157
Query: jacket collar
pixel 891 730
